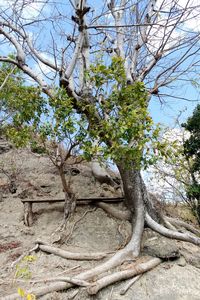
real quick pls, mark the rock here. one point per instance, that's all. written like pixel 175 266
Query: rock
pixel 191 254
pixel 181 262
pixel 161 247
pixel 192 258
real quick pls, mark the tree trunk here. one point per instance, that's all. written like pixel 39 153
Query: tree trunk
pixel 198 210
pixel 138 201
pixel 134 194
pixel 70 199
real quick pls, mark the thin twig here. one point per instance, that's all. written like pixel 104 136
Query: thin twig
pixel 75 223
pixel 129 284
pixel 14 263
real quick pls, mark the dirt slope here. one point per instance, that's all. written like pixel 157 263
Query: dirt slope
pixel 93 230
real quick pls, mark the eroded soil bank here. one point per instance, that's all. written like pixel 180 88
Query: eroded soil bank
pixel 92 230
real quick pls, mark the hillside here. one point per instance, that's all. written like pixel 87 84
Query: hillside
pixel 91 230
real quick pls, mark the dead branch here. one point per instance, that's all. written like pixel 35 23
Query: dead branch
pixel 75 223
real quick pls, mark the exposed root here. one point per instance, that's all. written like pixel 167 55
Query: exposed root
pixel 189 227
pixel 40 291
pixel 92 279
pixel 75 223
pixel 121 275
pixel 129 284
pixel 72 255
pixel 116 213
pixel 186 237
pixel 14 263
pixel 80 280
pixel 168 224
pixel 68 279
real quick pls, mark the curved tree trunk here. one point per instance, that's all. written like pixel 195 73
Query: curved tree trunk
pixel 138 201
pixel 134 194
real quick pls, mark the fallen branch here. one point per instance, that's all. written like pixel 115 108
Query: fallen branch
pixel 121 275
pixel 72 255
pixel 186 237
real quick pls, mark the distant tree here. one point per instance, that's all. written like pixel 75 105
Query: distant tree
pixel 169 175
pixel 192 155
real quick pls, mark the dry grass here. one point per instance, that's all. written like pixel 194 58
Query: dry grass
pixel 181 211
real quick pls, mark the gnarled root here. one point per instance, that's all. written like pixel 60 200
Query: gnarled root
pixel 179 223
pixel 121 275
pixel 186 237
pixel 116 213
pixel 72 255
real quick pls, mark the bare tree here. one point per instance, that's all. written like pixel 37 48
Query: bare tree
pixel 157 44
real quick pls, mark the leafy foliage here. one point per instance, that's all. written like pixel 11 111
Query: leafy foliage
pixel 192 145
pixel 119 125
pixel 21 106
pixel 24 295
pixel 28 118
pixel 192 152
pixel 124 127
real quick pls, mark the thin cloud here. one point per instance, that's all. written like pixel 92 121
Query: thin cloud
pixel 27 9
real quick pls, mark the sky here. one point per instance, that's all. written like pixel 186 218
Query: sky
pixel 168 111
pixel 163 112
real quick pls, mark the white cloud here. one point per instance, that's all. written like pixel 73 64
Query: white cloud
pixel 28 9
pixel 43 70
pixel 164 28
pixel 191 16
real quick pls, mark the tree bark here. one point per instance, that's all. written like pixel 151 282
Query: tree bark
pixel 70 199
pixel 134 191
pixel 138 201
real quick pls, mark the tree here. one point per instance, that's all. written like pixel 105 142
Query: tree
pixel 46 126
pixel 192 156
pixel 111 60
pixel 171 176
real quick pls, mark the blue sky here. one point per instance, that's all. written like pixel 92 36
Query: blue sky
pixel 165 112
pixel 168 111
